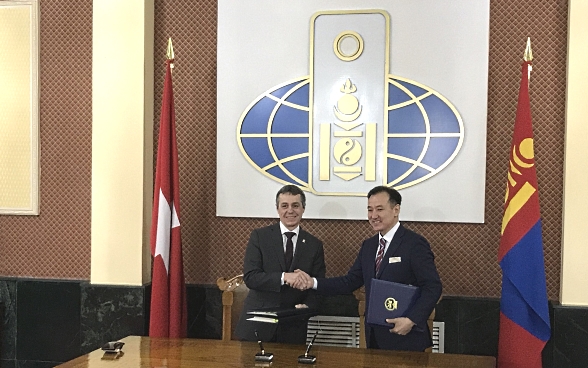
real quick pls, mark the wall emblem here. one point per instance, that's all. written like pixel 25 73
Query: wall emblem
pixel 350 125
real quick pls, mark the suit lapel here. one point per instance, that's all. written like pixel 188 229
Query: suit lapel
pixel 372 246
pixel 278 245
pixel 301 248
pixel 396 241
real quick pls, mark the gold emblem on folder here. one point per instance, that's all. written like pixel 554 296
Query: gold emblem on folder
pixel 391 304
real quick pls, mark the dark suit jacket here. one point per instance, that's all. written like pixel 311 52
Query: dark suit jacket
pixel 417 267
pixel 262 269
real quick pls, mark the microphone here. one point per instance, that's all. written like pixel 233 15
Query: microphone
pixel 262 356
pixel 308 359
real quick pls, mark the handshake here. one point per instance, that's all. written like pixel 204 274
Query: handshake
pixel 298 279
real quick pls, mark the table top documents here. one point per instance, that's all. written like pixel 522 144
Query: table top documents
pixel 163 352
pixel 281 315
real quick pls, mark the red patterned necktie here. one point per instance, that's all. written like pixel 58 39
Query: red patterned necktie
pixel 380 254
pixel 289 255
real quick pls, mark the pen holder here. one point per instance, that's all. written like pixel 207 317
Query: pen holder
pixel 264 357
pixel 306 359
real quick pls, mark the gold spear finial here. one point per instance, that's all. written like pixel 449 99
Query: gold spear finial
pixel 528 52
pixel 170 50
pixel 170 54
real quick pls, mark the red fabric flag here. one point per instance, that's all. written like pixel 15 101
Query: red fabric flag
pixel 168 290
pixel 524 313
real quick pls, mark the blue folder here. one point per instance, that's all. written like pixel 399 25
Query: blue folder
pixel 389 300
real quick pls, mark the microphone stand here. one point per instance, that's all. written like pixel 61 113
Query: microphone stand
pixel 262 356
pixel 308 359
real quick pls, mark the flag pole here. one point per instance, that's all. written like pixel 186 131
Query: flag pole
pixel 168 315
pixel 525 326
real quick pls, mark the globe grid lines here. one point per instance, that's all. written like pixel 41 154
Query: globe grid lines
pixel 393 81
pixel 425 148
pixel 270 123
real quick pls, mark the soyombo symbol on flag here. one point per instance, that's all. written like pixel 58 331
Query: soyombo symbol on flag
pixel 168 290
pixel 524 315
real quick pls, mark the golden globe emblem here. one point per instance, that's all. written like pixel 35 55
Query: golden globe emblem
pixel 391 304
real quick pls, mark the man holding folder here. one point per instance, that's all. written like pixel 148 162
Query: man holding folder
pixel 394 254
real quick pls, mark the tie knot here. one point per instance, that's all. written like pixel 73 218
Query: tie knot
pixel 289 234
pixel 382 242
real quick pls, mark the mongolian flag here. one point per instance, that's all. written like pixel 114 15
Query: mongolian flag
pixel 168 290
pixel 524 314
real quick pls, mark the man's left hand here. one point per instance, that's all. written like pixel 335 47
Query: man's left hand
pixel 402 325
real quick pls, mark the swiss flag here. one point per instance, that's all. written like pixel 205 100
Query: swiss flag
pixel 168 290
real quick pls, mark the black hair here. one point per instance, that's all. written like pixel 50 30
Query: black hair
pixel 293 190
pixel 393 195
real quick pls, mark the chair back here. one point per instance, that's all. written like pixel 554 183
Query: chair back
pixel 360 296
pixel 234 293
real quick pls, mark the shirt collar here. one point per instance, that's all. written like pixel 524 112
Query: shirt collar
pixel 390 234
pixel 284 229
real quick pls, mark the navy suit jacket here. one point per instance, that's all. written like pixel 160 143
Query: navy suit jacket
pixel 416 267
pixel 262 273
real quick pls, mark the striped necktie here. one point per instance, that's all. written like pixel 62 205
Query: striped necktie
pixel 380 254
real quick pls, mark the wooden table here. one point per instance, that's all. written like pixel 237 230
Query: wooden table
pixel 162 352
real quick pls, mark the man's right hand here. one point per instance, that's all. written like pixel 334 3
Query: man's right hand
pixel 307 281
pixel 298 279
pixel 295 280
